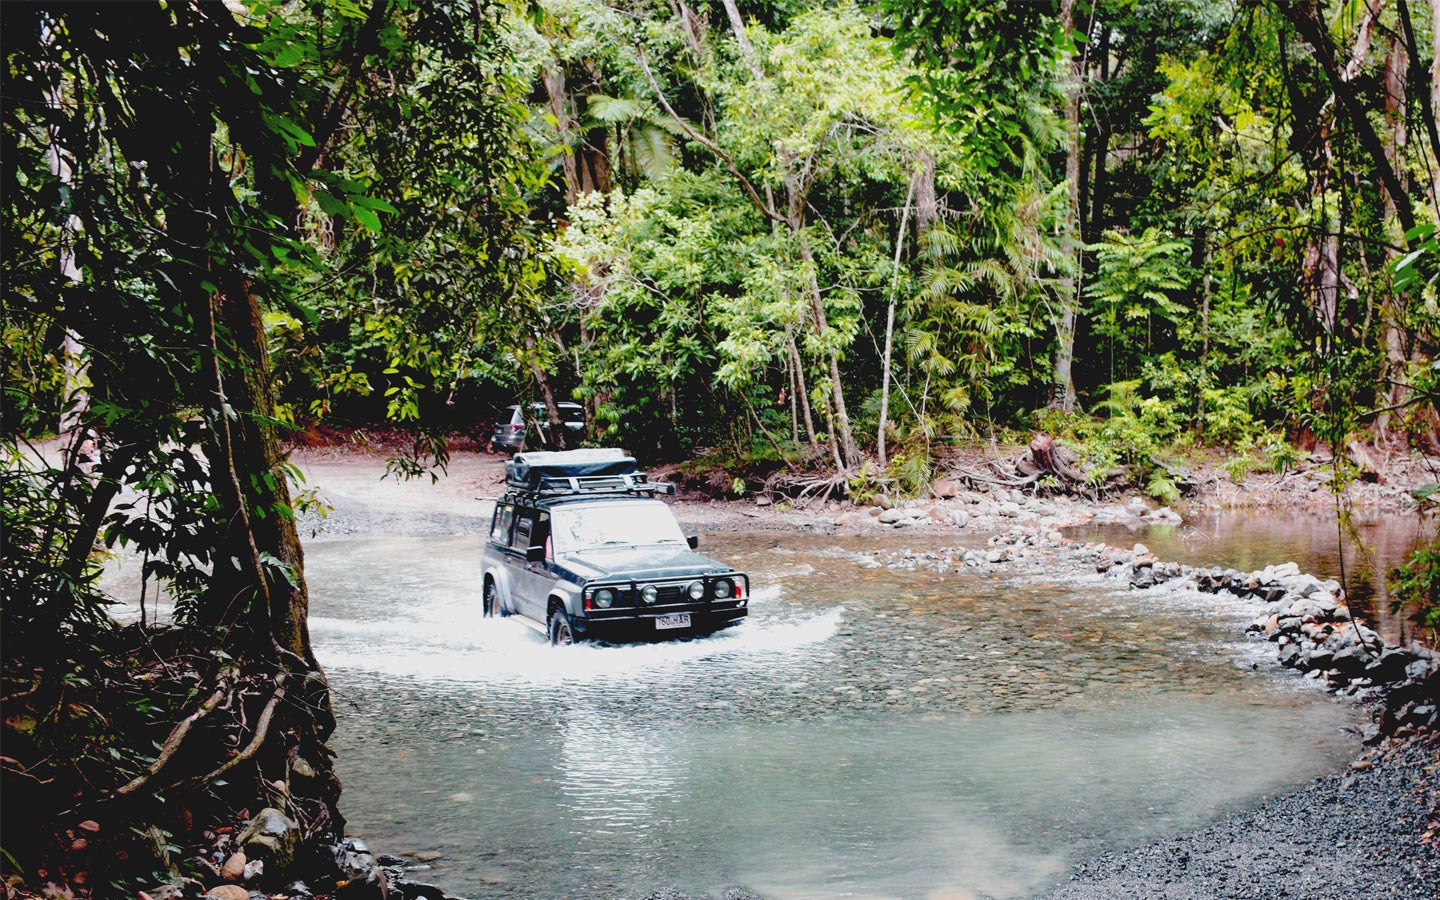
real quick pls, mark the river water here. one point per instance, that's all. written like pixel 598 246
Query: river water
pixel 869 732
pixel 1360 557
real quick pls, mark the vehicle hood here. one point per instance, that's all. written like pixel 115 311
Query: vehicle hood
pixel 640 563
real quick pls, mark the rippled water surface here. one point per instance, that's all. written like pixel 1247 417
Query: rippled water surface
pixel 868 733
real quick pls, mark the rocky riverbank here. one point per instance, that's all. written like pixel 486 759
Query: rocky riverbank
pixel 1372 830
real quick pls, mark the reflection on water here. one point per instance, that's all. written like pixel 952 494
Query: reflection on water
pixel 1249 540
pixel 867 733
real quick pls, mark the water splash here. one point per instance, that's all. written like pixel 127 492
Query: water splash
pixel 469 648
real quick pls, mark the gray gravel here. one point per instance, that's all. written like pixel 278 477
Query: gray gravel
pixel 1369 833
pixel 1361 834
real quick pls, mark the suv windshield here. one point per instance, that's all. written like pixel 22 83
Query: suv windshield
pixel 613 524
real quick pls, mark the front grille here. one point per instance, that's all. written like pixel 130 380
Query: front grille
pixel 669 595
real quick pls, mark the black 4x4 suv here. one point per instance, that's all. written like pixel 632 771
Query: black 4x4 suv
pixel 580 544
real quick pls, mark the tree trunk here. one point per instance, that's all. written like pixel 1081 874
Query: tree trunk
pixel 737 27
pixel 1427 95
pixel 1434 110
pixel 1070 285
pixel 802 390
pixel 75 400
pixel 1393 374
pixel 890 319
pixel 841 431
pixel 1322 252
pixel 927 204
pixel 558 437
pixel 256 603
pixel 562 107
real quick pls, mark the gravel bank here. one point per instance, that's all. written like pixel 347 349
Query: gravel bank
pixel 1370 832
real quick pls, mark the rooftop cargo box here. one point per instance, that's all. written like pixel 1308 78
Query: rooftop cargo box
pixel 531 471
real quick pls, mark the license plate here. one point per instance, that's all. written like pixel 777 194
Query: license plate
pixel 676 620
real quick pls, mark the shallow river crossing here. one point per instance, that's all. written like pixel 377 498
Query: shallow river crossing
pixel 867 733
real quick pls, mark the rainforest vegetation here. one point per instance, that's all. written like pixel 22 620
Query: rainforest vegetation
pixel 823 237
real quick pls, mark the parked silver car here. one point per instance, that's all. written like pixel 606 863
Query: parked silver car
pixel 519 428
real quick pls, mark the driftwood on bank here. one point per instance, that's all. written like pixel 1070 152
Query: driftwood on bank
pixel 1043 459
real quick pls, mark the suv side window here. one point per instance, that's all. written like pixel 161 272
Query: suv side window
pixel 532 529
pixel 524 528
pixel 500 525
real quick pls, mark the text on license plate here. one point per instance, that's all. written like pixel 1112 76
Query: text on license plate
pixel 675 620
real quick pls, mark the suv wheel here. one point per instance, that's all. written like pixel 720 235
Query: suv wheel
pixel 490 606
pixel 561 634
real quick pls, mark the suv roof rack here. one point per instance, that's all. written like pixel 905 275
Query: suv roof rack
pixel 579 472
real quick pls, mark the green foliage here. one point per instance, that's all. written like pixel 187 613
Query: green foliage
pixel 908 474
pixel 1228 419
pixel 988 71
pixel 1162 487
pixel 1239 465
pixel 1132 293
pixel 1418 582
pixel 1128 440
pixel 1282 455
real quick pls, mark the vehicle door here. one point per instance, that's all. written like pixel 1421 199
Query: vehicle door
pixel 532 579
pixel 497 552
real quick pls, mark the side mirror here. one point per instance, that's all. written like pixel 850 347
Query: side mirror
pixel 535 554
pixel 694 541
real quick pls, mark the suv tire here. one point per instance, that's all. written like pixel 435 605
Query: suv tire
pixel 561 634
pixel 490 606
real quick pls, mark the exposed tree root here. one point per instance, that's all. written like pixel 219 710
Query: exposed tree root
pixel 172 743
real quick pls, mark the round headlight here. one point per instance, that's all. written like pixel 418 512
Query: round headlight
pixel 723 589
pixel 604 598
pixel 648 593
pixel 696 590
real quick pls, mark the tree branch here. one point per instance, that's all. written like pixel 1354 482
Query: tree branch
pixel 708 144
pixel 1305 19
pixel 330 121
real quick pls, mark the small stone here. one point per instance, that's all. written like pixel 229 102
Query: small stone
pixel 228 892
pixel 945 489
pixel 959 518
pixel 234 867
pixel 175 890
pixel 90 825
pixel 78 844
pixel 427 855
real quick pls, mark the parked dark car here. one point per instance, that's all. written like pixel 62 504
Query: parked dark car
pixel 581 545
pixel 517 428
